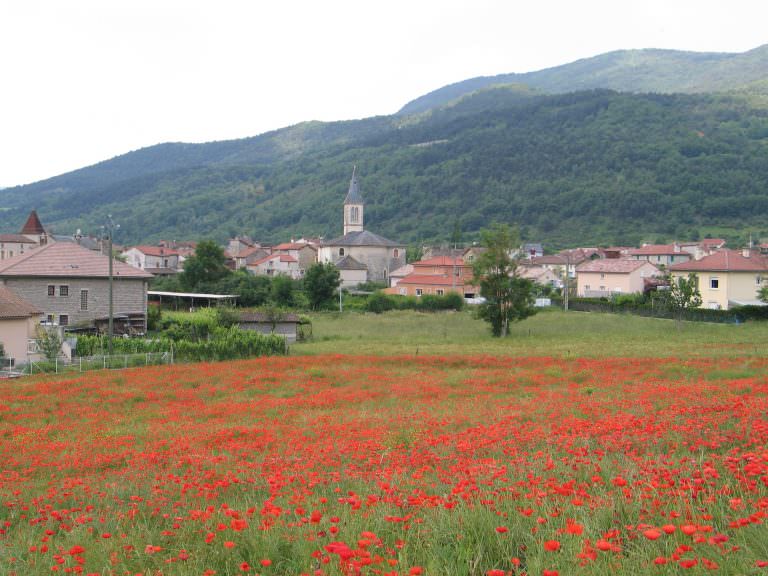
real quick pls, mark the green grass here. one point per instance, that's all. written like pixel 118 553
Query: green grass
pixel 549 333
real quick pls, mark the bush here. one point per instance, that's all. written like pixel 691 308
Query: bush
pixel 380 302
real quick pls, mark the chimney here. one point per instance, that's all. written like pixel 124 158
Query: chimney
pixel 745 252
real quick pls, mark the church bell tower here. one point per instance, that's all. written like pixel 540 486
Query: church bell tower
pixel 353 206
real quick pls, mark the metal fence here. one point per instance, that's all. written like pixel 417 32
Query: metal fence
pixel 100 362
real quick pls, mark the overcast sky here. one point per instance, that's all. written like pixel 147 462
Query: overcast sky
pixel 83 81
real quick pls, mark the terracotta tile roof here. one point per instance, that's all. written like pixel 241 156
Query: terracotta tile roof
pixel 18 238
pixel 14 306
pixel 281 257
pixel 657 250
pixel 66 259
pixel 613 266
pixel 554 259
pixel 33 224
pixel 292 246
pixel 712 242
pixel 726 261
pixel 245 252
pixel 402 272
pixel 432 280
pixel 440 261
pixel 156 251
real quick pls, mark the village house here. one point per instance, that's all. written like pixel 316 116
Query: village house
pixel 19 321
pixel 276 265
pixel 249 256
pixel 32 235
pixel 156 260
pixel 70 285
pixel 304 253
pixel 439 276
pixel 379 255
pixel 609 277
pixel 727 278
pixel 14 244
pixel 661 255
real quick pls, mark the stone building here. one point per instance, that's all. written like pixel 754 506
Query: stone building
pixel 379 255
pixel 69 284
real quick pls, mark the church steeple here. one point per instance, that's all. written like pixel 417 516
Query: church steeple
pixel 353 206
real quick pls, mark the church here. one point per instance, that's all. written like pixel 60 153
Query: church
pixel 359 249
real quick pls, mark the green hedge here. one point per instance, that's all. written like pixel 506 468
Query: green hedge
pixel 657 310
pixel 380 302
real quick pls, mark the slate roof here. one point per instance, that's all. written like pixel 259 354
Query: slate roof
pixel 612 266
pixel 33 224
pixel 349 263
pixel 14 306
pixel 65 259
pixel 725 261
pixel 353 196
pixel 362 238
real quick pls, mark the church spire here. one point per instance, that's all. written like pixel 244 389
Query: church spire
pixel 353 206
pixel 353 196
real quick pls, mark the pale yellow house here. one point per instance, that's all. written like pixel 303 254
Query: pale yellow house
pixel 18 325
pixel 610 277
pixel 727 278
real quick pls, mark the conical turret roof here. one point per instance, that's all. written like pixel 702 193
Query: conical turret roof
pixel 353 196
pixel 33 224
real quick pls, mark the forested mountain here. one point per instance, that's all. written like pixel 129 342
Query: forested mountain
pixel 657 71
pixel 592 166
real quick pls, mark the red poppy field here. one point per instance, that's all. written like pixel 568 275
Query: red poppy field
pixel 340 465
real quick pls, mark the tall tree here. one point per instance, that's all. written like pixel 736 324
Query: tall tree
pixel 508 297
pixel 683 294
pixel 206 266
pixel 320 284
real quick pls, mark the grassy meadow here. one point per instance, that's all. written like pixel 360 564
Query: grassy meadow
pixel 549 333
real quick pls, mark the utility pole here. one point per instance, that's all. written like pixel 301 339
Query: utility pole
pixel 567 280
pixel 109 229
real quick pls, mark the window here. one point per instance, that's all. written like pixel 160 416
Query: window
pixel 418 291
pixel 602 275
pixel 395 253
pixel 354 214
pixel 586 287
pixel 51 290
pixel 602 288
pixel 63 319
pixel 758 280
pixel 49 318
pixel 403 291
pixel 83 299
pixel 63 290
pixel 440 292
pixel 714 282
pixel 341 251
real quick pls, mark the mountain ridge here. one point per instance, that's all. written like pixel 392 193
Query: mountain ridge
pixel 570 167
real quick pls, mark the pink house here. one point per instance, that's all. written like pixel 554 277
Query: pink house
pixel 598 278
